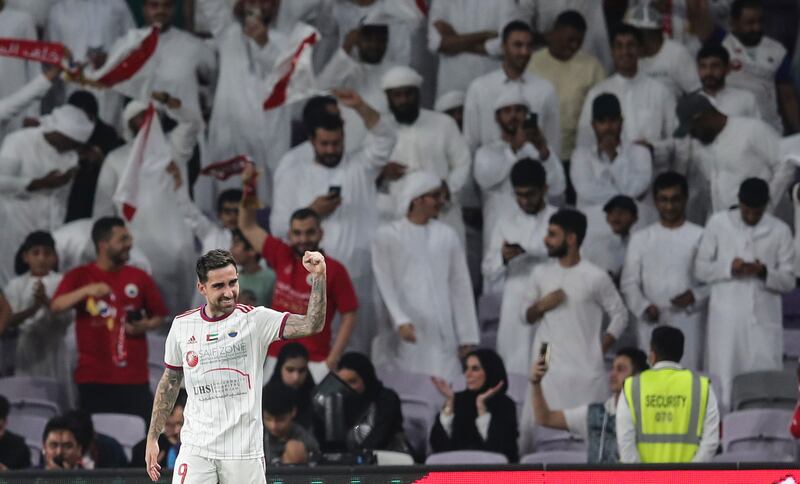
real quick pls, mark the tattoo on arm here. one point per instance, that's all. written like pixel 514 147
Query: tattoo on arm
pixel 166 394
pixel 297 325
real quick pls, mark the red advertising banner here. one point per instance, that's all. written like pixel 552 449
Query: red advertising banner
pixel 771 476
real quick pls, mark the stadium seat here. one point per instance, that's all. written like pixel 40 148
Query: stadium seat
pixel 417 423
pixel 750 456
pixel 791 344
pixel 466 457
pixel 411 385
pixel 36 452
pixel 33 406
pixel 128 430
pixel 555 457
pixel 391 458
pixel 34 388
pixel 764 389
pixel 30 427
pixel 547 439
pixel 759 430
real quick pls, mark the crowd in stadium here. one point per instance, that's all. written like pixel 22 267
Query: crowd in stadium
pixel 514 198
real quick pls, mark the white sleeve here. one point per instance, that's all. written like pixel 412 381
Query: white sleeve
pixel 459 160
pixel 709 441
pixel 482 424
pixel 18 101
pixel 447 423
pixel 11 183
pixel 472 117
pixel 551 121
pixel 609 298
pixel 708 267
pixel 591 189
pixel 577 421
pixel 632 174
pixel 284 196
pixel 386 278
pixel 106 186
pixel 626 432
pixel 492 265
pixel 269 324
pixel 531 295
pixel 556 179
pixel 631 279
pixel 378 145
pixel 339 71
pixel 436 13
pixel 173 356
pixel 585 135
pixel 490 171
pixel 780 278
pixel 462 300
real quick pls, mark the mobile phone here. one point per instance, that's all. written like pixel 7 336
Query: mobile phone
pixel 531 121
pixel 544 352
pixel 132 316
pixel 335 190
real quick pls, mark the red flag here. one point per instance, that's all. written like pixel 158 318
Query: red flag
pixel 222 170
pixel 149 158
pixel 293 77
pixel 130 66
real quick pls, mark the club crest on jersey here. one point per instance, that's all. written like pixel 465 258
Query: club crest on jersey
pixel 192 359
pixel 212 337
pixel 192 340
pixel 131 290
pixel 232 333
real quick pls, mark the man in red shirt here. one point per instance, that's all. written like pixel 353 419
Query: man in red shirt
pixel 115 304
pixel 292 288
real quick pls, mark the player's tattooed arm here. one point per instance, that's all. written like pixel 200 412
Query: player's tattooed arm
pixel 166 395
pixel 313 321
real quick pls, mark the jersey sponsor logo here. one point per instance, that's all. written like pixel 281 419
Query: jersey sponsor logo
pixel 192 359
pixel 237 383
pixel 216 354
pixel 212 337
pixel 131 290
pixel 192 340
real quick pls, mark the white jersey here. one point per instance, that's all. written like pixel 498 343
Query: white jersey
pixel 222 361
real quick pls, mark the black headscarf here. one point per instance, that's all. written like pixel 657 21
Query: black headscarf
pixel 464 402
pixel 294 350
pixel 361 365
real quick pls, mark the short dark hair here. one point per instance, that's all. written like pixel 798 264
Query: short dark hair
pixel 4 407
pixel 278 400
pixel 528 172
pixel 515 26
pixel 638 358
pixel 85 101
pixel 82 425
pixel 315 107
pixel 625 29
pixel 571 221
pixel 327 122
pixel 712 49
pixel 754 193
pixel 231 195
pixel 39 238
pixel 621 202
pixel 57 424
pixel 211 260
pixel 670 179
pixel 303 214
pixel 571 18
pixel 667 343
pixel 103 227
pixel 738 6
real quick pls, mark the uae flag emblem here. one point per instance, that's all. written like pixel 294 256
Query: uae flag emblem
pixel 211 337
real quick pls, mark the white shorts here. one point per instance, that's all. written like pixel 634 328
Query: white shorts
pixel 192 469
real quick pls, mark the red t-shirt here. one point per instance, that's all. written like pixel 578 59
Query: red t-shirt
pixel 293 289
pixel 105 353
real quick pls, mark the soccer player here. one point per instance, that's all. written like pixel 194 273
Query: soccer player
pixel 219 349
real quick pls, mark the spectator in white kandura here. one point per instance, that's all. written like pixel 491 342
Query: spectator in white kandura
pixel 567 297
pixel 735 149
pixel 37 166
pixel 713 67
pixel 520 137
pixel 16 73
pixel 760 64
pixel 571 71
pixel 648 106
pixel 40 348
pixel 610 165
pixel 480 127
pixel 662 58
pixel 594 423
pixel 426 140
pixel 658 279
pixel 746 256
pixel 25 97
pixel 422 275
pixel 464 34
pixel 451 103
pixel 607 250
pixel 516 246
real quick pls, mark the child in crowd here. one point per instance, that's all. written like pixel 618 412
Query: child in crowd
pixel 253 276
pixel 285 441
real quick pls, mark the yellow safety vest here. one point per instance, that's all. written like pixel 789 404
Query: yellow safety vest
pixel 668 406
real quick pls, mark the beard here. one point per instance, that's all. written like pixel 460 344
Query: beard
pixel 559 251
pixel 406 114
pixel 329 160
pixel 713 83
pixel 119 258
pixel 750 39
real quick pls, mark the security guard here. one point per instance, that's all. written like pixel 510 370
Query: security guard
pixel 668 414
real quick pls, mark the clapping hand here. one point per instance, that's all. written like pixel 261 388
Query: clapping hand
pixel 480 402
